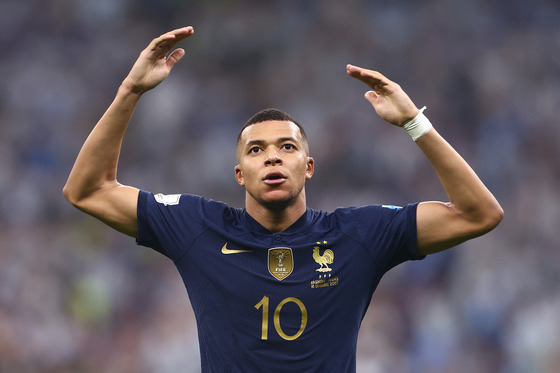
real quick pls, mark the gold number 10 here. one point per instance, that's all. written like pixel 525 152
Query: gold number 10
pixel 264 304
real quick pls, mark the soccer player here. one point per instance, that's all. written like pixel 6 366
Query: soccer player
pixel 277 286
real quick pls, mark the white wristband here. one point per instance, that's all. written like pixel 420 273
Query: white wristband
pixel 419 126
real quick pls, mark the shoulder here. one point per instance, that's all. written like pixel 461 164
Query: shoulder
pixel 364 222
pixel 376 211
pixel 184 203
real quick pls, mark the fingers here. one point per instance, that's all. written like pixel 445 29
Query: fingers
pixel 359 71
pixel 387 97
pixel 161 45
pixel 175 57
pixel 181 33
pixel 373 79
pixel 371 96
pixel 178 34
pixel 155 62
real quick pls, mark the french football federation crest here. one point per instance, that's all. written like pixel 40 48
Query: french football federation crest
pixel 323 259
pixel 280 262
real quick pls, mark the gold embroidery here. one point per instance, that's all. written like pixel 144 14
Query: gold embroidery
pixel 280 262
pixel 324 260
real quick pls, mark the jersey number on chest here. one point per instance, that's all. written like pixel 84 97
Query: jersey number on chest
pixel 265 303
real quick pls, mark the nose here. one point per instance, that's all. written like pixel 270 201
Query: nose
pixel 272 156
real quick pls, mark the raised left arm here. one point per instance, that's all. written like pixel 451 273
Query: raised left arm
pixel 472 210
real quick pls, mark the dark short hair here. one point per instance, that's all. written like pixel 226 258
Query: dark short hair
pixel 271 114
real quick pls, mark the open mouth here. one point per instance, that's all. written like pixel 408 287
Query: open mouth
pixel 274 178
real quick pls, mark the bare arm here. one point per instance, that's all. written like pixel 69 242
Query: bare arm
pixel 472 210
pixel 92 185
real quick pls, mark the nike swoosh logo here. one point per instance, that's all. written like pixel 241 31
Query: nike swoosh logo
pixel 225 250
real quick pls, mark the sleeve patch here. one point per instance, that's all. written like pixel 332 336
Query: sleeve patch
pixel 167 199
pixel 391 207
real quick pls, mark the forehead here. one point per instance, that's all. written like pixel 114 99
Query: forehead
pixel 269 131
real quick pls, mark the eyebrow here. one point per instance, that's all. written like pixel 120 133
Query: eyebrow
pixel 262 142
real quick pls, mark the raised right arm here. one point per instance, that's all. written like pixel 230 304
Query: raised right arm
pixel 92 185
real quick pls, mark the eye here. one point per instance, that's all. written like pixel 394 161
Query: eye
pixel 254 150
pixel 288 147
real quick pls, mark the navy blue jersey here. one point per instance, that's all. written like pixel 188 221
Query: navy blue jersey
pixel 277 302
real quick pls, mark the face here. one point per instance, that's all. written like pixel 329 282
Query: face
pixel 273 164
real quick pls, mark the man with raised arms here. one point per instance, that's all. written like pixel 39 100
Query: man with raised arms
pixel 277 286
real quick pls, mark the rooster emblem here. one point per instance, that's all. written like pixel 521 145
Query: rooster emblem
pixel 324 260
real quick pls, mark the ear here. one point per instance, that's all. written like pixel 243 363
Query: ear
pixel 310 168
pixel 239 176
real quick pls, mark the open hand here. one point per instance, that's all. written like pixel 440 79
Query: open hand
pixel 154 64
pixel 387 97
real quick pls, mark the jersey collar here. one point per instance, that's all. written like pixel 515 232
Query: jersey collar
pixel 303 222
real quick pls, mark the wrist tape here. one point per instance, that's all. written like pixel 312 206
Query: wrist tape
pixel 419 126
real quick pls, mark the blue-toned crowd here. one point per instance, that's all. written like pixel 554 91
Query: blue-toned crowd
pixel 76 296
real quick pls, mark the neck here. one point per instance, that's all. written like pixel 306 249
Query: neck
pixel 276 218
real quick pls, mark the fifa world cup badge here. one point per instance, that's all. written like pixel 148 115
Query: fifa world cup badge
pixel 280 262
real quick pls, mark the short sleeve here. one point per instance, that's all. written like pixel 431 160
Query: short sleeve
pixel 388 232
pixel 169 223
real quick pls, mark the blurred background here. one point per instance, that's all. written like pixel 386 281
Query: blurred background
pixel 76 296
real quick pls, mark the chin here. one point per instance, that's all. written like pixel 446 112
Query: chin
pixel 278 203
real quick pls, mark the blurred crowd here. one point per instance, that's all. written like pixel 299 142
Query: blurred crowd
pixel 76 296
